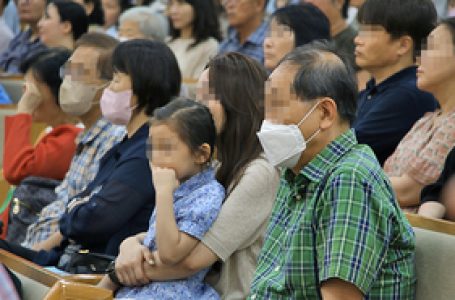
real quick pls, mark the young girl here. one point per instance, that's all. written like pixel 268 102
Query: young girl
pixel 188 198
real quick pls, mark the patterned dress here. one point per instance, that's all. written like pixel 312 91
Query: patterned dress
pixel 196 205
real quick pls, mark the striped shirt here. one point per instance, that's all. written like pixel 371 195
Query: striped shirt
pixel 92 144
pixel 338 218
pixel 252 47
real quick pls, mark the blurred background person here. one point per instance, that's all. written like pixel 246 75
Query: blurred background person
pixel 94 12
pixel 112 10
pixel 195 33
pixel 27 42
pixel 293 26
pixel 6 35
pixel 142 23
pixel 63 22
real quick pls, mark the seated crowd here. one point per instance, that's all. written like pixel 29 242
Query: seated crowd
pixel 232 149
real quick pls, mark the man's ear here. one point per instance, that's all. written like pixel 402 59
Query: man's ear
pixel 328 112
pixel 406 45
pixel 203 154
pixel 260 5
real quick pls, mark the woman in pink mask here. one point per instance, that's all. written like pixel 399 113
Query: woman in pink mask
pixel 119 201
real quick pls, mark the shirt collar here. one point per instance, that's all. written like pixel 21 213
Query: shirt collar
pixel 318 167
pixel 256 38
pixel 406 73
pixel 194 182
pixel 88 136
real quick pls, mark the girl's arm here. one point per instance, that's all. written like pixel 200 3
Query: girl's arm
pixel 173 245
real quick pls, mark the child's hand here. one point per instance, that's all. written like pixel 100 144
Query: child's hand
pixel 164 180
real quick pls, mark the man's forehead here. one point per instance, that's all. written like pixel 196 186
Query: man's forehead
pixel 283 74
pixel 85 54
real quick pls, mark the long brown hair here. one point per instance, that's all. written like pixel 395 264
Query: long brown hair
pixel 238 83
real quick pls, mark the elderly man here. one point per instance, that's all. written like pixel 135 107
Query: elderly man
pixel 87 72
pixel 142 23
pixel 336 230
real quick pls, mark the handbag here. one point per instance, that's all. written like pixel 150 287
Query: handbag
pixel 76 260
pixel 29 198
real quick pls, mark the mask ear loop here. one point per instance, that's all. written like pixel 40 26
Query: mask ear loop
pixel 308 114
pixel 306 117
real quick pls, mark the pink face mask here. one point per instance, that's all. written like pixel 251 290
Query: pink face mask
pixel 116 107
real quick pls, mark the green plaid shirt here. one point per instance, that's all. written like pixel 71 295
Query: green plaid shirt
pixel 340 214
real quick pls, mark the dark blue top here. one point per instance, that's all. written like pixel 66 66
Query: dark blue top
pixel 19 49
pixel 117 204
pixel 387 111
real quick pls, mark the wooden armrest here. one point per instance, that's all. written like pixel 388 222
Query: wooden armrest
pixel 437 225
pixel 91 279
pixel 71 290
pixel 28 269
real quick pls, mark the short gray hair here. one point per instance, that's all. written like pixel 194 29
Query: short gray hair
pixel 151 24
pixel 324 72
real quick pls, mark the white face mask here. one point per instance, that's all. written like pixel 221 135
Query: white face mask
pixel 283 144
pixel 76 98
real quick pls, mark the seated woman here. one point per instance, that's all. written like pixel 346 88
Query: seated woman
pixel 195 33
pixel 233 89
pixel 293 26
pixel 62 24
pixel 142 23
pixel 419 158
pixel 438 199
pixel 51 155
pixel 112 9
pixel 119 201
pixel 188 196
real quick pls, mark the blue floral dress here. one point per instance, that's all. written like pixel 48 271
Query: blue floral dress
pixel 196 205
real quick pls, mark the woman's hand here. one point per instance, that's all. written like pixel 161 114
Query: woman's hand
pixel 164 180
pixel 30 100
pixel 129 262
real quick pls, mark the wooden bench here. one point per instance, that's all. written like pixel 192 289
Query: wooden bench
pixel 435 257
pixel 39 283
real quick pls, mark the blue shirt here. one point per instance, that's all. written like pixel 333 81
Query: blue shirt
pixel 387 111
pixel 115 205
pixel 20 48
pixel 196 205
pixel 252 47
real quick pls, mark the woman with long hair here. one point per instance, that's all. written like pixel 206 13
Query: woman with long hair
pixel 233 88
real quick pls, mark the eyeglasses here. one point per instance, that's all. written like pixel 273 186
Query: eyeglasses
pixel 75 70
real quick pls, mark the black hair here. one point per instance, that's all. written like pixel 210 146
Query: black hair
pixel 449 23
pixel 306 21
pixel 74 13
pixel 154 72
pixel 205 23
pixel 191 120
pixel 345 9
pixel 237 81
pixel 96 17
pixel 5 3
pixel 324 72
pixel 416 18
pixel 45 66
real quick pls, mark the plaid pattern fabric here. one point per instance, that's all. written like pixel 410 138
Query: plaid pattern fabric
pixel 360 234
pixel 91 147
pixel 252 47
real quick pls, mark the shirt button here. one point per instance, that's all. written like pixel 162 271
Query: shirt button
pixel 277 269
pixel 253 296
pixel 298 197
pixel 369 97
